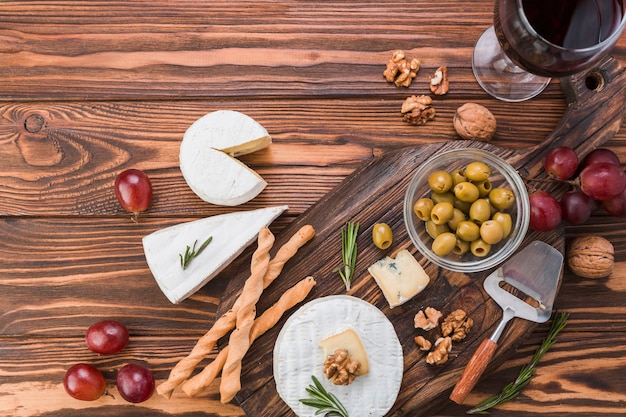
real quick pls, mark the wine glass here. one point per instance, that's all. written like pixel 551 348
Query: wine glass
pixel 534 40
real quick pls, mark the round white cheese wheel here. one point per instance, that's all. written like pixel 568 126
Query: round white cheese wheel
pixel 298 355
pixel 207 163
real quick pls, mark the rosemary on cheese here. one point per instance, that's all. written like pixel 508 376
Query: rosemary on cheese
pixel 325 402
pixel 348 252
pixel 191 252
pixel 514 388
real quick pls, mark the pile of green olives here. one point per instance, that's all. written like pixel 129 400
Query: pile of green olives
pixel 464 212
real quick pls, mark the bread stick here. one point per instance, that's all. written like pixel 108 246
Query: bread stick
pixel 239 341
pixel 185 367
pixel 262 324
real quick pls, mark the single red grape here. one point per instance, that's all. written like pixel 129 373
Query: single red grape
pixel 616 206
pixel 135 383
pixel 106 337
pixel 84 382
pixel 600 155
pixel 545 211
pixel 133 190
pixel 561 162
pixel 577 207
pixel 602 181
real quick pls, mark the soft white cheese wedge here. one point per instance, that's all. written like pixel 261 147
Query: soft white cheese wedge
pixel 207 162
pixel 228 131
pixel 231 233
pixel 400 279
pixel 349 340
pixel 298 355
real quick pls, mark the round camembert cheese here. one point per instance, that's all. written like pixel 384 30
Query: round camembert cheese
pixel 207 157
pixel 298 355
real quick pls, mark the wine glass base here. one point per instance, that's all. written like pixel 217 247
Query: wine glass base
pixel 501 77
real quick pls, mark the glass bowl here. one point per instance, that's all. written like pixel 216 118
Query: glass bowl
pixel 502 175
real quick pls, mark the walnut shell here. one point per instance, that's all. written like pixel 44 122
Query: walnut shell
pixel 590 256
pixel 474 122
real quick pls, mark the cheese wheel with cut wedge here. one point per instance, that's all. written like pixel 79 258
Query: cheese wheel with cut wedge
pixel 207 157
pixel 230 234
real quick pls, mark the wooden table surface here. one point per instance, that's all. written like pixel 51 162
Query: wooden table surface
pixel 90 88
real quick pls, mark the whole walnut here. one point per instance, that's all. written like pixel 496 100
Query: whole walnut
pixel 474 122
pixel 590 256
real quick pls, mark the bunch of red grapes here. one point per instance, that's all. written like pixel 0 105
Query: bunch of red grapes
pixel 597 181
pixel 83 381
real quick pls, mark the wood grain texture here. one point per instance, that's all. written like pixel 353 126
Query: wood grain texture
pixel 88 88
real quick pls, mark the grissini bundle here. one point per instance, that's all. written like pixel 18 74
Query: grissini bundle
pixel 185 367
pixel 262 324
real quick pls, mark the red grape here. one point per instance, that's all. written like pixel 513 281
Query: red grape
pixel 600 155
pixel 84 382
pixel 602 181
pixel 135 383
pixel 616 206
pixel 561 162
pixel 133 190
pixel 577 207
pixel 545 212
pixel 107 336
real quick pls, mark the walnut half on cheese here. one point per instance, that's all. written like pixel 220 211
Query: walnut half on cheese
pixel 400 279
pixel 347 355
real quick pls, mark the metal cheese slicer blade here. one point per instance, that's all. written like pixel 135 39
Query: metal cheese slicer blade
pixel 524 287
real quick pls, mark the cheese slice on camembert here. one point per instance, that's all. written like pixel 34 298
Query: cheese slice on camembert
pixel 230 234
pixel 207 157
pixel 400 279
pixel 349 340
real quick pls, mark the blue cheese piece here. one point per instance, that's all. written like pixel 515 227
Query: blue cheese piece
pixel 231 233
pixel 299 352
pixel 400 279
pixel 207 157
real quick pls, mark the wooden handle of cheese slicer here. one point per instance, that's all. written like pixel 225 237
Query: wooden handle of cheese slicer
pixel 473 371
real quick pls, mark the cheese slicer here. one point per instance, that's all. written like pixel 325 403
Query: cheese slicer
pixel 524 287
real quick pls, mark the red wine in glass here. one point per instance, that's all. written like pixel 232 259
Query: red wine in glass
pixel 544 38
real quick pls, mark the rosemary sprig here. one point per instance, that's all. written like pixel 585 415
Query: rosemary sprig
pixel 513 389
pixel 325 402
pixel 348 252
pixel 191 252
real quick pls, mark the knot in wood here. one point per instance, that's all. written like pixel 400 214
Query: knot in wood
pixel 34 123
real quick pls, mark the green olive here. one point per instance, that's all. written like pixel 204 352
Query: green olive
pixel 442 213
pixel 458 175
pixel 441 197
pixel 501 198
pixel 480 211
pixel 457 217
pixel 461 247
pixel 491 232
pixel 464 206
pixel 466 191
pixel 435 230
pixel 484 188
pixel 505 222
pixel 480 248
pixel 477 171
pixel 422 208
pixel 444 244
pixel 468 231
pixel 382 235
pixel 440 181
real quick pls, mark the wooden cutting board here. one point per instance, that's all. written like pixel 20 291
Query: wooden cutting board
pixel 375 193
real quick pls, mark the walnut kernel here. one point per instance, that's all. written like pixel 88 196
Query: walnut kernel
pixel 457 325
pixel 427 319
pixel 439 83
pixel 340 369
pixel 401 71
pixel 439 355
pixel 417 110
pixel 474 122
pixel 423 343
pixel 590 256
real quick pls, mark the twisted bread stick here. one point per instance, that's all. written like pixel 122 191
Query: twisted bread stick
pixel 239 341
pixel 184 368
pixel 262 324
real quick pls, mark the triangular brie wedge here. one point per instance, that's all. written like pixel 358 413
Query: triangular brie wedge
pixel 231 233
pixel 207 157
